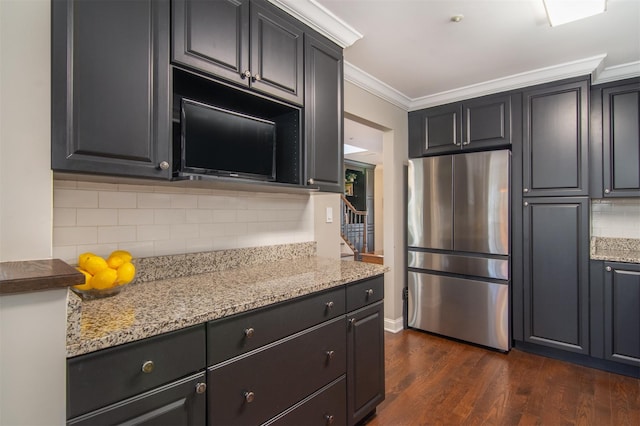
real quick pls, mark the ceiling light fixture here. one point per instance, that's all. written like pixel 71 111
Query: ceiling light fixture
pixel 457 18
pixel 562 11
pixel 350 149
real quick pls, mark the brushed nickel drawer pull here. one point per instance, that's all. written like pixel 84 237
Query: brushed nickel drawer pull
pixel 369 292
pixel 249 332
pixel 249 397
pixel 329 305
pixel 330 355
pixel 329 418
pixel 147 367
pixel 201 388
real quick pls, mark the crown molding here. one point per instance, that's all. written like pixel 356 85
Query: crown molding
pixel 374 86
pixel 617 72
pixel 320 19
pixel 576 68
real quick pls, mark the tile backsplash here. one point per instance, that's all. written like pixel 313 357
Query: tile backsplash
pixel 161 220
pixel 616 218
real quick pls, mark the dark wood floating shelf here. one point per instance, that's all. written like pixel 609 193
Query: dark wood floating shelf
pixel 37 275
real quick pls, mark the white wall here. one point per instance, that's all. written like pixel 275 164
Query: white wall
pixel 393 121
pixel 158 220
pixel 616 218
pixel 378 207
pixel 32 326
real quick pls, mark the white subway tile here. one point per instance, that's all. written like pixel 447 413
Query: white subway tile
pixel 169 216
pixel 199 216
pixel 217 202
pixel 183 201
pixel 135 216
pixel 138 249
pixel 103 250
pixel 153 232
pixel 66 253
pixel 134 188
pixel 169 247
pixel 247 216
pixel 96 217
pixel 97 186
pixel 67 184
pixel 72 236
pixel 210 230
pixel 75 198
pixel 63 216
pixel 118 200
pixel 196 245
pixel 184 231
pixel 224 216
pixel 154 201
pixel 225 243
pixel 116 234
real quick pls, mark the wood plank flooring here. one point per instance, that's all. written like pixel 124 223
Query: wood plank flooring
pixel 436 381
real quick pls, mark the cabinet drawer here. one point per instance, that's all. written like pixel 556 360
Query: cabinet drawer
pixel 101 378
pixel 177 403
pixel 255 387
pixel 327 406
pixel 365 292
pixel 241 333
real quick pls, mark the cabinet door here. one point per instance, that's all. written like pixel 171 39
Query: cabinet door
pixel 555 140
pixel 323 116
pixel 556 272
pixel 621 140
pixel 438 130
pixel 622 313
pixel 179 403
pixel 110 88
pixel 487 122
pixel 365 361
pixel 277 48
pixel 212 36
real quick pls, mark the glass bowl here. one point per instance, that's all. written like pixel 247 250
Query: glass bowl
pixel 97 294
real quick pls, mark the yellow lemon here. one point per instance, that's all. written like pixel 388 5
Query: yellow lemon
pixel 87 281
pixel 125 255
pixel 104 279
pixel 95 264
pixel 82 259
pixel 126 272
pixel 114 261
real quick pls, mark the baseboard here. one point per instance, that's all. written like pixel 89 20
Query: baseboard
pixel 393 325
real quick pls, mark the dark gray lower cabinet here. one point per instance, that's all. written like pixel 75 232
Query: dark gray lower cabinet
pixel 365 362
pixel 556 273
pixel 622 313
pixel 177 403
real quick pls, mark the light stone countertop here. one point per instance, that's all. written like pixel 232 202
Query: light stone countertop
pixel 150 308
pixel 625 250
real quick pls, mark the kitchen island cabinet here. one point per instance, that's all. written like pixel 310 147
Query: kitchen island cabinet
pixel 277 350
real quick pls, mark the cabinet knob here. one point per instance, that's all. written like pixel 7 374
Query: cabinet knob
pixel 352 321
pixel 246 74
pixel 329 418
pixel 311 181
pixel 525 203
pixel 249 396
pixel 329 305
pixel 607 190
pixel 201 388
pixel 256 77
pixel 525 190
pixel 147 367
pixel 369 292
pixel 608 268
pixel 465 143
pixel 330 355
pixel 164 165
pixel 249 332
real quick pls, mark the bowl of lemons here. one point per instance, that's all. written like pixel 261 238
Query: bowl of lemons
pixel 104 277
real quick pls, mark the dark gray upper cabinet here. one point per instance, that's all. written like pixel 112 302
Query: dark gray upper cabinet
pixel 323 115
pixel 555 140
pixel 248 42
pixel 110 88
pixel 476 124
pixel 622 313
pixel 556 273
pixel 621 140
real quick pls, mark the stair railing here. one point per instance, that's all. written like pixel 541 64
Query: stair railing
pixel 353 227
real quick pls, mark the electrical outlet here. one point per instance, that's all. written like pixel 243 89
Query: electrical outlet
pixel 329 215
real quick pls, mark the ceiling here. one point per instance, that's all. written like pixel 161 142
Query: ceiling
pixel 412 54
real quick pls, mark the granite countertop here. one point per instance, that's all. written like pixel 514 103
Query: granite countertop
pixel 154 307
pixel 615 249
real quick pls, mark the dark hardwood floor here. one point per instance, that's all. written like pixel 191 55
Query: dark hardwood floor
pixel 432 380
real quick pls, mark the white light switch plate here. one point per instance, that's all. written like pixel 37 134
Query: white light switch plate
pixel 329 215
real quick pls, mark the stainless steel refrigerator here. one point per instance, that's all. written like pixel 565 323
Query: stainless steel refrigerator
pixel 459 247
